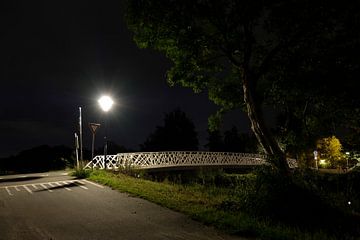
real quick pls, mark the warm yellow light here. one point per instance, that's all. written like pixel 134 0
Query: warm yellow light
pixel 105 103
pixel 322 161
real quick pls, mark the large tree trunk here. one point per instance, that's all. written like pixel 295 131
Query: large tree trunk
pixel 276 156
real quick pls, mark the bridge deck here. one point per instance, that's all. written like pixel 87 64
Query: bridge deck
pixel 151 160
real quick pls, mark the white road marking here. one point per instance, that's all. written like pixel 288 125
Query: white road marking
pixel 28 189
pixel 8 191
pixel 1 178
pixel 60 184
pixel 36 186
pixel 95 184
pixel 44 175
pixel 45 187
pixel 24 176
pixel 79 184
pixel 67 183
pixel 65 174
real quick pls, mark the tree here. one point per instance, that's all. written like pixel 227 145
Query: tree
pixel 251 52
pixel 177 134
pixel 38 159
pixel 232 140
pixel 330 149
pixel 215 141
pixel 239 142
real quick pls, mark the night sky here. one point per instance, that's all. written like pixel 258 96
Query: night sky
pixel 57 56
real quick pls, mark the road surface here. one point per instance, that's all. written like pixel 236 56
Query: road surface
pixel 55 205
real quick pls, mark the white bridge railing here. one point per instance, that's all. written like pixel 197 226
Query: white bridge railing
pixel 148 160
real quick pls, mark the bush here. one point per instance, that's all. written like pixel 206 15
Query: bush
pixel 81 173
pixel 296 200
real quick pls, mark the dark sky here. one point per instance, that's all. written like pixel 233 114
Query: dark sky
pixel 57 56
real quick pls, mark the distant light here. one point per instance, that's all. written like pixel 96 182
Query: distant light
pixel 322 161
pixel 105 103
pixel 347 153
pixel 349 202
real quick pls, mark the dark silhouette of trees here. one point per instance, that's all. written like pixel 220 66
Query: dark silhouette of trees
pixel 233 141
pixel 177 134
pixel 39 159
pixel 215 141
pixel 298 56
pixel 239 142
pixel 112 149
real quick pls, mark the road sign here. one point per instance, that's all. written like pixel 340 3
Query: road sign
pixel 94 127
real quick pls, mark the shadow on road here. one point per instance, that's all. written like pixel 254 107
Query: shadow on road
pixel 19 179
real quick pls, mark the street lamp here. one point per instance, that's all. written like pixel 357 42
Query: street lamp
pixel 347 160
pixel 105 103
pixel 316 153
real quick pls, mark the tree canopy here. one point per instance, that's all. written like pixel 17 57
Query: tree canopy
pixel 177 134
pixel 299 56
pixel 232 141
pixel 330 149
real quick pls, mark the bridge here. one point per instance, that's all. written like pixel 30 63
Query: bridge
pixel 180 159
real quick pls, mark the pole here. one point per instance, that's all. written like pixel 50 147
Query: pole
pixel 77 150
pixel 93 128
pixel 92 146
pixel 315 158
pixel 80 131
pixel 106 142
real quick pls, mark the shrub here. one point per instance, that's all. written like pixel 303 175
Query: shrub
pixel 81 173
pixel 295 200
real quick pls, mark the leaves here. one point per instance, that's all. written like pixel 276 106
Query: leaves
pixel 178 133
pixel 299 56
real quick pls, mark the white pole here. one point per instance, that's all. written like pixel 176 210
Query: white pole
pixel 315 158
pixel 80 131
pixel 77 150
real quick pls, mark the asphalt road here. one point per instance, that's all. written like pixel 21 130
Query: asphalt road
pixel 56 206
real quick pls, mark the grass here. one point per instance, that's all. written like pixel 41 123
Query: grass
pixel 217 206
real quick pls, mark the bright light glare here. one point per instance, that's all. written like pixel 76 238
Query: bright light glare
pixel 105 103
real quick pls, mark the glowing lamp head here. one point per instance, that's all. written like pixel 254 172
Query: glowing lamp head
pixel 105 103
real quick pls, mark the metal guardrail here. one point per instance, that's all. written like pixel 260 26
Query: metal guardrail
pixel 151 160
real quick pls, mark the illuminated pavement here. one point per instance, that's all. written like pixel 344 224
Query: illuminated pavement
pixel 56 206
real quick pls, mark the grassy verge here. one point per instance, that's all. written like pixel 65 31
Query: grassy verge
pixel 211 205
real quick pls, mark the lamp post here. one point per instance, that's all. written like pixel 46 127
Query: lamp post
pixel 105 103
pixel 347 160
pixel 316 158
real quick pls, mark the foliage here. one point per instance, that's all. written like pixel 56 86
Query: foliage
pixel 330 149
pixel 215 141
pixel 39 159
pixel 290 54
pixel 81 173
pixel 178 133
pixel 239 142
pixel 233 141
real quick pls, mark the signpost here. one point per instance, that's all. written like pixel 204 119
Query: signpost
pixel 93 128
